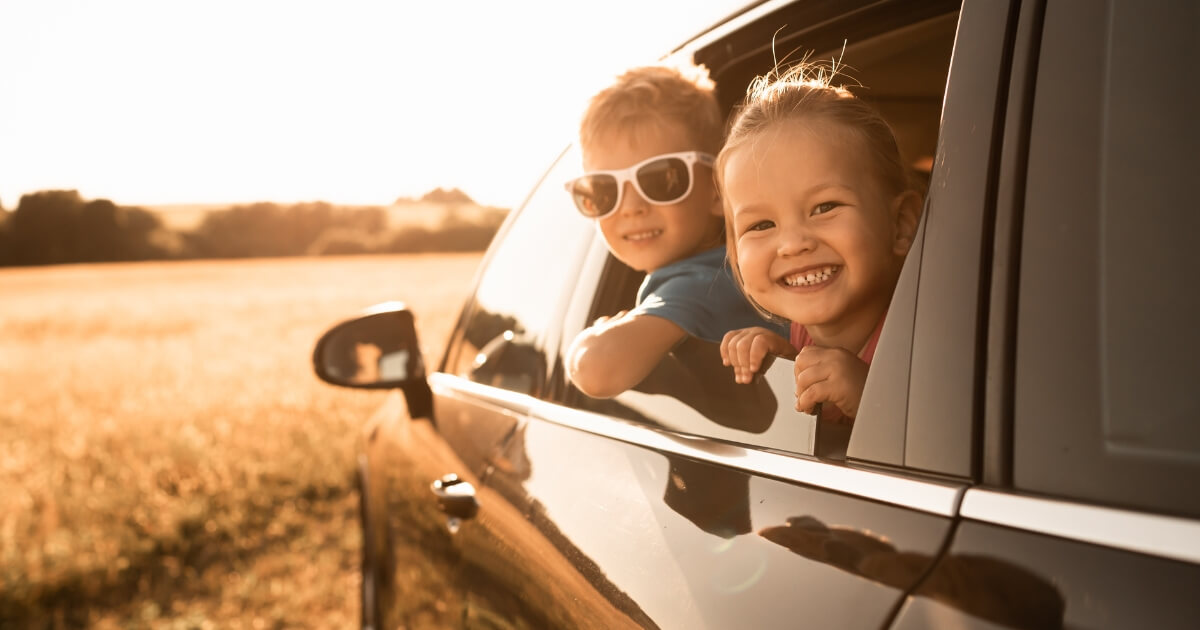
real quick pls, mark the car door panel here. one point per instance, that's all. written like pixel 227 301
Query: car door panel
pixel 1023 579
pixel 413 557
pixel 675 541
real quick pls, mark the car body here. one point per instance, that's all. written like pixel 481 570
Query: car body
pixel 1028 444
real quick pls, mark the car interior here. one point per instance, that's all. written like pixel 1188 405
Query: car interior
pixel 902 72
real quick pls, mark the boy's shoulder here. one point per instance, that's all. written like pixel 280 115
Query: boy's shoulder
pixel 707 260
pixel 698 270
pixel 699 294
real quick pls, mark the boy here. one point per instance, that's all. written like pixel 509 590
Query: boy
pixel 648 143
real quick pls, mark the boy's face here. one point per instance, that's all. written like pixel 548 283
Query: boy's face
pixel 649 236
pixel 816 237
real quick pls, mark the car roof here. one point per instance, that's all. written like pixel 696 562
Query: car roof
pixel 703 17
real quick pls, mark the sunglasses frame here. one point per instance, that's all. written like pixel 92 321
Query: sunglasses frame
pixel 690 158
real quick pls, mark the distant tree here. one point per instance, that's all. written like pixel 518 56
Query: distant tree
pixel 6 241
pixel 59 226
pixel 42 227
pixel 267 229
pixel 454 234
pixel 340 241
pixel 452 196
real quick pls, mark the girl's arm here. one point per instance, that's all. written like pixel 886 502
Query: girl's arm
pixel 831 375
pixel 745 349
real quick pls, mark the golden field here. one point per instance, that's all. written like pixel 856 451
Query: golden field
pixel 168 458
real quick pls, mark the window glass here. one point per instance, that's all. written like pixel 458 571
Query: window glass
pixel 525 281
pixel 1108 350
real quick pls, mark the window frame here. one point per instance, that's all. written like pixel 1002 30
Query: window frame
pixel 941 414
pixel 953 239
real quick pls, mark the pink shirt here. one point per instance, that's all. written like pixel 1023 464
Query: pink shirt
pixel 800 338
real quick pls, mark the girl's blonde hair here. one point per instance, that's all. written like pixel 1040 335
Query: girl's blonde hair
pixel 805 93
pixel 648 96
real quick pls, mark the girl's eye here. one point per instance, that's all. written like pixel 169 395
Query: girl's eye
pixel 760 226
pixel 825 207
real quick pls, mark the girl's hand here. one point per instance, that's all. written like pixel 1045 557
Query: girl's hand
pixel 745 349
pixel 829 375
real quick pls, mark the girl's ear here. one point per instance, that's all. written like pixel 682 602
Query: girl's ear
pixel 906 213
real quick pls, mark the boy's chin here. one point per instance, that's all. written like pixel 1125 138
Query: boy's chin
pixel 637 263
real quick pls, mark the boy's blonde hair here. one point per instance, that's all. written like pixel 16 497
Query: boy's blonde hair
pixel 805 92
pixel 647 97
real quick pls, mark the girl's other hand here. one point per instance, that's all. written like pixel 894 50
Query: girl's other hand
pixel 832 375
pixel 745 349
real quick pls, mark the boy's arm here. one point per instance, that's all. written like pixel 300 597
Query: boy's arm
pixel 617 353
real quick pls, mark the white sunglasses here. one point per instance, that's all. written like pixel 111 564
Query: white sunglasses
pixel 661 179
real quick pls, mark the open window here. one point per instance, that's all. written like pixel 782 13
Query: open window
pixel 896 59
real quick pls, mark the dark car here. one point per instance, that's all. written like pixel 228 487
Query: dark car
pixel 1027 451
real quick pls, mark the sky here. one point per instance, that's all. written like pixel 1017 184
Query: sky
pixel 153 102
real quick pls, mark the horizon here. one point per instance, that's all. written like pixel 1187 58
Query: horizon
pixel 217 205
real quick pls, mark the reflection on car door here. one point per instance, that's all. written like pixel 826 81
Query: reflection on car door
pixel 411 555
pixel 675 532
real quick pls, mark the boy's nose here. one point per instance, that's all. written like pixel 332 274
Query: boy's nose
pixel 631 201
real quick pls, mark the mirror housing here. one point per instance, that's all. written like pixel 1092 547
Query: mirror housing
pixel 376 350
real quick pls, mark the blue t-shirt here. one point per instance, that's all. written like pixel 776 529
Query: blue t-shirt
pixel 700 295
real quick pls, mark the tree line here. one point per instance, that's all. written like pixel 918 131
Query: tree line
pixel 60 226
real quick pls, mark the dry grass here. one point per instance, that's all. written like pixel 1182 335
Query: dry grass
pixel 167 457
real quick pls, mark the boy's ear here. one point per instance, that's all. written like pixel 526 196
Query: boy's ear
pixel 906 212
pixel 717 209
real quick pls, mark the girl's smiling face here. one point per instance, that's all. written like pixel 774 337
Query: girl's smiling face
pixel 818 239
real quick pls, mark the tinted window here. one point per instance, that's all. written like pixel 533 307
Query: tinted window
pixel 1108 350
pixel 519 299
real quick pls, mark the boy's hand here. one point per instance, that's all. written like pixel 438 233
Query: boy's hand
pixel 829 375
pixel 604 319
pixel 745 349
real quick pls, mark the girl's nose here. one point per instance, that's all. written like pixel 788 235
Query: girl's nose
pixel 796 239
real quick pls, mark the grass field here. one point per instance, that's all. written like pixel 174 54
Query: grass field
pixel 167 457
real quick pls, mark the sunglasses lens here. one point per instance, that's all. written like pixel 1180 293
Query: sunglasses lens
pixel 664 180
pixel 594 195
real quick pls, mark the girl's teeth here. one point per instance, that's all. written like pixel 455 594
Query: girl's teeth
pixel 643 235
pixel 810 278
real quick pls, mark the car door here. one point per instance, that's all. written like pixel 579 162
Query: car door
pixel 424 467
pixel 667 508
pixel 1087 516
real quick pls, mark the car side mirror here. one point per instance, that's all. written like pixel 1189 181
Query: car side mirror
pixel 376 350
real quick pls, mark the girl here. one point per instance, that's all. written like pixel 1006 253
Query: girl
pixel 819 215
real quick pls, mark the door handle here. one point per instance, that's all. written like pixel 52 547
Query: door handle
pixel 455 496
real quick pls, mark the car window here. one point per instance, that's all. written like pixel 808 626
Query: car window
pixel 691 392
pixel 513 315
pixel 1107 347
